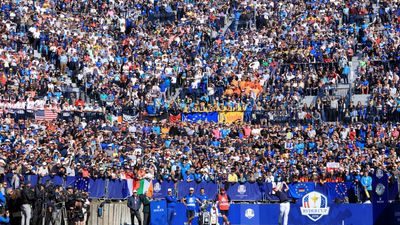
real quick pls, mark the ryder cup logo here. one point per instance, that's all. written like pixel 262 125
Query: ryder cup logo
pixel 249 213
pixel 315 205
pixel 379 173
pixel 157 187
pixel 241 189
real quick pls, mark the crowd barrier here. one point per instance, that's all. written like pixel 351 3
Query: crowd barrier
pixel 117 213
pixel 120 189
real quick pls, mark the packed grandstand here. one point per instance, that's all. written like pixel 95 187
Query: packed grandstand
pixel 199 91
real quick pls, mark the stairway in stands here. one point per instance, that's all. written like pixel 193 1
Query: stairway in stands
pixel 355 98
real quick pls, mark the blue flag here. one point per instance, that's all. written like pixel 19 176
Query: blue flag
pixel 338 190
pixel 204 116
pixel 56 180
pixel 298 190
pixel 82 184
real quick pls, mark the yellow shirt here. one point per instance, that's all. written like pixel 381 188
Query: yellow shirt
pixel 164 131
pixel 232 178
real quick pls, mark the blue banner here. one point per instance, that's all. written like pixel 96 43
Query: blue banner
pixel 266 189
pixel 56 180
pixel 380 187
pixel 298 190
pixel 96 188
pixel 390 214
pixel 31 179
pixel 158 212
pixel 393 190
pixel 210 189
pixel 244 192
pixel 160 188
pixel 252 214
pixel 118 189
pixel 338 191
pixel 70 181
pixel 380 192
pixel 202 116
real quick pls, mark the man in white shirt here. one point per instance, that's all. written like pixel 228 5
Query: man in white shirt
pixel 30 107
pixel 20 109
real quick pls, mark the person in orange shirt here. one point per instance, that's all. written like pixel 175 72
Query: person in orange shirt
pixel 242 84
pixel 229 92
pixel 235 82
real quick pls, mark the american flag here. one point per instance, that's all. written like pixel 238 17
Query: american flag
pixel 46 114
pixel 305 202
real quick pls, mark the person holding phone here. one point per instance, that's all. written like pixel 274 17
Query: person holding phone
pixel 5 218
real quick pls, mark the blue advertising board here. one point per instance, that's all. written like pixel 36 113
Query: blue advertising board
pixel 158 212
pixel 244 192
pixel 160 188
pixel 389 214
pixel 268 214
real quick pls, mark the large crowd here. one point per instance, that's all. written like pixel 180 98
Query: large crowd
pixel 161 56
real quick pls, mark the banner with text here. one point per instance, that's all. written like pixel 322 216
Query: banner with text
pixel 158 212
pixel 200 116
pixel 244 192
pixel 230 117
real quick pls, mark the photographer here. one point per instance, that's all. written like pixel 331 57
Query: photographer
pixel 49 204
pixel 37 209
pixel 70 205
pixel 59 213
pixel 77 205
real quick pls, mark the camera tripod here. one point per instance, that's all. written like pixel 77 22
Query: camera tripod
pixel 51 214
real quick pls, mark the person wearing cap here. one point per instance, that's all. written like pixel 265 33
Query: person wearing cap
pixel 190 202
pixel 134 203
pixel 171 204
pixel 204 204
pixel 281 190
pixel 223 201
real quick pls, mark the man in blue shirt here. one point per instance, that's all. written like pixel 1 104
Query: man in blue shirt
pixel 171 204
pixel 202 196
pixel 203 199
pixel 190 203
pixel 345 74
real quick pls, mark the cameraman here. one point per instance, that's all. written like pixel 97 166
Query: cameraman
pixel 39 195
pixel 86 206
pixel 76 204
pixel 70 204
pixel 27 197
pixel 59 205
